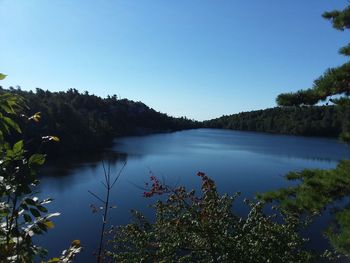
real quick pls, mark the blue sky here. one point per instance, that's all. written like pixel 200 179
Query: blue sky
pixel 194 58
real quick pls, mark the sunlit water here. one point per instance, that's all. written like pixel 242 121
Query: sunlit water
pixel 238 161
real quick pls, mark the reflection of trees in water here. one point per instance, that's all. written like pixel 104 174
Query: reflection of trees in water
pixel 65 165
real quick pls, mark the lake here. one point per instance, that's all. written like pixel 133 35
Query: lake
pixel 238 161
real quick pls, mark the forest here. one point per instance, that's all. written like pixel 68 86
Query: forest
pixel 87 122
pixel 325 121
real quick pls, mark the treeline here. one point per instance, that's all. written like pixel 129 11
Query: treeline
pixel 84 122
pixel 87 122
pixel 328 121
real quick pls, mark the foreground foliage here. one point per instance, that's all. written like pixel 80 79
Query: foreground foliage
pixel 192 228
pixel 22 215
pixel 319 189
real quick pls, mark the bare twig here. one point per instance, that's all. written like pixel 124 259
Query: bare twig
pixel 108 185
pixel 96 196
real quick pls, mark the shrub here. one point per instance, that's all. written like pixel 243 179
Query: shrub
pixel 191 228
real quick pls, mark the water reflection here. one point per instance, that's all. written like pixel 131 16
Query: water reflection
pixel 64 166
pixel 212 141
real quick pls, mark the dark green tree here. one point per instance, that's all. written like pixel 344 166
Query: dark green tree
pixel 335 81
pixel 318 189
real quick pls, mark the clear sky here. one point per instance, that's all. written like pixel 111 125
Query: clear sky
pixel 194 58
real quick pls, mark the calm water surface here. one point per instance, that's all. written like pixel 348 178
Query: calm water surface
pixel 238 161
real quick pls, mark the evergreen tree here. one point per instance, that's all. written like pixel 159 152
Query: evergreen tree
pixel 335 81
pixel 318 189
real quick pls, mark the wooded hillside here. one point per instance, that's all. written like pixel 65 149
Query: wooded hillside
pixel 84 122
pixel 328 121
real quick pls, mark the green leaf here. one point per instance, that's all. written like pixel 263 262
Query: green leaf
pixel 3 126
pixel 37 230
pixel 42 208
pixel 12 124
pixel 35 212
pixel 42 226
pixel 27 218
pixel 54 260
pixel 6 107
pixel 24 206
pixel 2 76
pixel 36 159
pixel 18 146
pixel 30 201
